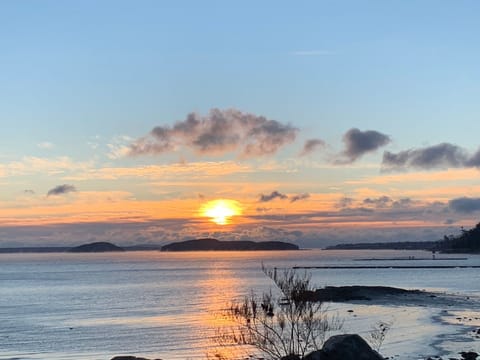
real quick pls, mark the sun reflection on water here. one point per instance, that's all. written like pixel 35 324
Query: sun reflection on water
pixel 220 287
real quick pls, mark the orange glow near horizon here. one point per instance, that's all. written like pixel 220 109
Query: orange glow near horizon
pixel 221 211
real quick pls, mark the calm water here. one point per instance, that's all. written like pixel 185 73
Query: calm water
pixel 165 305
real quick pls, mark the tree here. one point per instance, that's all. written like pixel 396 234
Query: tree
pixel 467 241
pixel 284 324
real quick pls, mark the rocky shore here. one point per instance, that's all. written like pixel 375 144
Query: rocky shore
pixel 354 347
pixel 342 347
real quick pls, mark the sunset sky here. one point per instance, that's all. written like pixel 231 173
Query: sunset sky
pixel 314 122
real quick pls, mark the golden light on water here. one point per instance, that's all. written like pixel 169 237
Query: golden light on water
pixel 221 211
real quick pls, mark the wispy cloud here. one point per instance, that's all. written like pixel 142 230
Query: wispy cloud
pixel 272 196
pixel 50 166
pixel 177 171
pixel 119 147
pixel 299 197
pixel 344 202
pixel 61 189
pixel 311 145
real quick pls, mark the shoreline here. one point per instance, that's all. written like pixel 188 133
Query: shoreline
pixel 452 323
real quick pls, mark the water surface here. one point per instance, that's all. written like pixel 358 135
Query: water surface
pixel 93 306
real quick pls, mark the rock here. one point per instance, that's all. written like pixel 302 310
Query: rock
pixel 315 355
pixel 129 357
pixel 469 355
pixel 345 347
pixel 357 292
pixel 291 357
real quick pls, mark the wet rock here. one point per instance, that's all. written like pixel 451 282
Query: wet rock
pixel 315 355
pixel 345 347
pixel 291 357
pixel 469 355
pixel 129 357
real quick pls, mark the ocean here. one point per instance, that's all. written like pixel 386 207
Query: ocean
pixel 63 306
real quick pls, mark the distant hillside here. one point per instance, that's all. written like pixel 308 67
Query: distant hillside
pixel 96 247
pixel 46 249
pixel 217 245
pixel 401 245
pixel 467 242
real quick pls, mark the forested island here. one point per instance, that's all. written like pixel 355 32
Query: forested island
pixel 96 247
pixel 468 241
pixel 217 245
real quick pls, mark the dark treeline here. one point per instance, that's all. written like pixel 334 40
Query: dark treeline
pixel 467 241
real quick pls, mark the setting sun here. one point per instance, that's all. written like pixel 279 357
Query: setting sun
pixel 220 211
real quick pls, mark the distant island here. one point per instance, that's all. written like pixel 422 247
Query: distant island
pixel 96 247
pixel 217 245
pixel 468 242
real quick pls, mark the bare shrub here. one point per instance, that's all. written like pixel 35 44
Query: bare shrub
pixel 378 333
pixel 283 324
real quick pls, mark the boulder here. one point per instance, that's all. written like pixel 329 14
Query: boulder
pixel 315 355
pixel 469 355
pixel 345 347
pixel 129 357
pixel 291 357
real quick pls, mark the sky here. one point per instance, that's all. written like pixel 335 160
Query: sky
pixel 314 122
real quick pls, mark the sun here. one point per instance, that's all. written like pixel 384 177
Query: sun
pixel 221 211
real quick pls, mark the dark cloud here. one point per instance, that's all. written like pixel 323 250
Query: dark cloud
pixel 474 160
pixel 403 203
pixel 312 145
pixel 274 195
pixel 355 211
pixel 465 205
pixel 380 202
pixel 61 189
pixel 345 202
pixel 443 155
pixel 358 143
pixel 219 132
pixel 299 197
